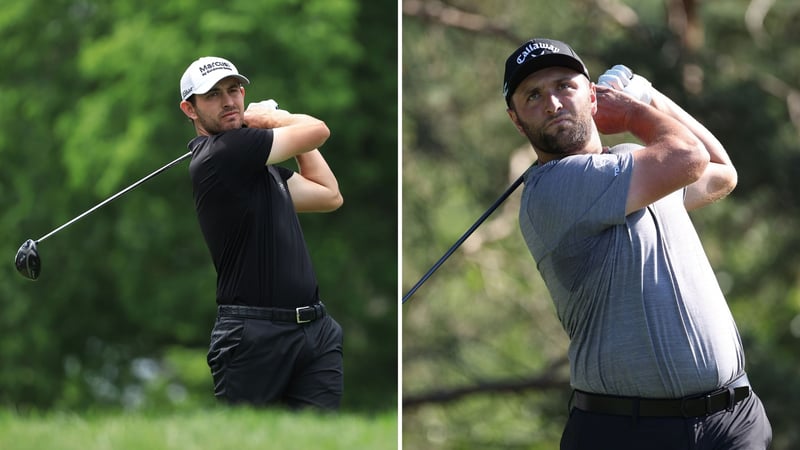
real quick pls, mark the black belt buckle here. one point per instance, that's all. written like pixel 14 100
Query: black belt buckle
pixel 300 313
pixel 707 402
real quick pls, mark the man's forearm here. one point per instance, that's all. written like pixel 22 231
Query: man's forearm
pixel 714 148
pixel 720 176
pixel 276 119
pixel 312 166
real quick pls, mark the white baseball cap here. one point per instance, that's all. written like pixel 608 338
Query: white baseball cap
pixel 204 73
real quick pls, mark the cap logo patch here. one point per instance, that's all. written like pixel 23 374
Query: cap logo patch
pixel 212 66
pixel 536 49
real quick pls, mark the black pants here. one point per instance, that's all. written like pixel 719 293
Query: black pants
pixel 262 362
pixel 744 428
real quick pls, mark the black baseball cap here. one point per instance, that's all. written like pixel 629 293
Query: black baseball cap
pixel 537 54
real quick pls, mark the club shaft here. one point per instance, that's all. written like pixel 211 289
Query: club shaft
pixel 464 237
pixel 114 197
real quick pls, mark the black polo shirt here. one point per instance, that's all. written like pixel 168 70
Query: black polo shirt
pixel 249 222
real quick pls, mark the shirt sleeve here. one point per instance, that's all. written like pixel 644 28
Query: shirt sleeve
pixel 284 172
pixel 574 198
pixel 243 152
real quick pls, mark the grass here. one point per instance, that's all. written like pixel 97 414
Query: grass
pixel 216 428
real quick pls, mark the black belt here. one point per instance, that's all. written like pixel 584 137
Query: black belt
pixel 302 314
pixel 694 406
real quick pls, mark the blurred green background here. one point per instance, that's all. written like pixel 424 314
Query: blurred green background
pixel 484 361
pixel 121 315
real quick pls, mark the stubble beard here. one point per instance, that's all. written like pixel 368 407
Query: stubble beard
pixel 215 126
pixel 563 140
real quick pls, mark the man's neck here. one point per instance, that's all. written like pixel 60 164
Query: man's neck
pixel 594 146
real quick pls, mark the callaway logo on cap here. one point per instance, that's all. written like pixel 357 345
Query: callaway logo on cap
pixel 538 54
pixel 204 73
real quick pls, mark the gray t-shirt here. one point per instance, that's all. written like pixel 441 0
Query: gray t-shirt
pixel 636 294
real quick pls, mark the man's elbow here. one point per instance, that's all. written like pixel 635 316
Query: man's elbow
pixel 716 185
pixel 334 202
pixel 322 133
pixel 337 201
pixel 725 182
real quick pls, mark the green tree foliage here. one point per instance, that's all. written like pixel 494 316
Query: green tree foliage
pixel 125 302
pixel 483 353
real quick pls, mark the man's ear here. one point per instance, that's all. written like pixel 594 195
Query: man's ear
pixel 593 97
pixel 188 108
pixel 513 116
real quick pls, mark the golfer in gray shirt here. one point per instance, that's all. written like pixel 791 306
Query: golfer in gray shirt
pixel 655 356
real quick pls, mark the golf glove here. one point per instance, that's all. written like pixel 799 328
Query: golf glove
pixel 623 79
pixel 271 104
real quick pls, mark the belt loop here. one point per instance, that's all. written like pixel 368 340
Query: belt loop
pixel 684 411
pixel 731 399
pixel 635 411
pixel 570 402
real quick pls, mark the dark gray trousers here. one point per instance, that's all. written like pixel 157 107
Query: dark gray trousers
pixel 746 427
pixel 264 362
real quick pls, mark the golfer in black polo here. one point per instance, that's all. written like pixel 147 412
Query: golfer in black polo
pixel 273 342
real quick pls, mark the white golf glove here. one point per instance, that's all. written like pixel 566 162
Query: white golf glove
pixel 269 104
pixel 623 79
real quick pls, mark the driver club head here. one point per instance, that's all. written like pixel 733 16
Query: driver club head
pixel 27 260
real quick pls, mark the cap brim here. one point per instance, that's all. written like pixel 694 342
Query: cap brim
pixel 211 82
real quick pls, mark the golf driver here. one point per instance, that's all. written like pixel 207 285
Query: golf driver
pixel 28 262
pixel 464 237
